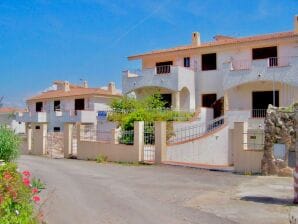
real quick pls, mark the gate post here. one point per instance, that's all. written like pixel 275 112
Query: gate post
pixel 138 140
pixel 29 137
pixel 68 135
pixel 39 138
pixel 160 141
pixel 296 149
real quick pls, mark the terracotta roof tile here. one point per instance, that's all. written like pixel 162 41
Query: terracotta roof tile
pixel 221 41
pixel 74 91
pixel 10 110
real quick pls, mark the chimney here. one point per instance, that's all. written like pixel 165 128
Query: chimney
pixel 296 24
pixel 112 88
pixel 195 39
pixel 85 84
pixel 66 86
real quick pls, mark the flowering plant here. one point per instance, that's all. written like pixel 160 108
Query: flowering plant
pixel 17 196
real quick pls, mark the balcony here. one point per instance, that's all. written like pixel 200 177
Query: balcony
pixel 281 69
pixel 169 77
pixel 32 117
pixel 80 116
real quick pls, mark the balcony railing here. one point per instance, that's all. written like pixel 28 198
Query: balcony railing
pixel 278 61
pixel 163 69
pixel 240 65
pixel 258 113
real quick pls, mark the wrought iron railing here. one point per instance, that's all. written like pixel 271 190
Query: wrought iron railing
pixel 278 61
pixel 163 69
pixel 91 133
pixel 258 113
pixel 192 132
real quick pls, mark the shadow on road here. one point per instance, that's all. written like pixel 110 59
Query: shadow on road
pixel 268 200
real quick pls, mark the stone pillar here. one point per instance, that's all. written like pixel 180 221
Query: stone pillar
pixel 138 140
pixel 296 169
pixel 160 141
pixel 176 100
pixel 68 138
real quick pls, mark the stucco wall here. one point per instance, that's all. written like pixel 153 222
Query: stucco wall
pixel 245 161
pixel 240 97
pixel 114 152
pixel 212 149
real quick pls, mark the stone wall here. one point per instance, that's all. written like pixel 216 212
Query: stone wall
pixel 279 128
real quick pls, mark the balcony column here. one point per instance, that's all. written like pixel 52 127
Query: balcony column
pixel 176 100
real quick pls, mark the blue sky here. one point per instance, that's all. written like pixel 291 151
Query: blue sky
pixel 46 40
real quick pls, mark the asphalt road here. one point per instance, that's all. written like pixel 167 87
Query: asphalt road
pixel 85 192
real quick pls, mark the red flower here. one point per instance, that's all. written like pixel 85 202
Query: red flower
pixel 26 173
pixel 36 198
pixel 7 176
pixel 34 190
pixel 26 181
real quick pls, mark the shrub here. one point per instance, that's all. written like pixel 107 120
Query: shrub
pixel 101 158
pixel 16 197
pixel 9 144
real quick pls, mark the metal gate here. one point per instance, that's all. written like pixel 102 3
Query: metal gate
pixel 149 142
pixel 54 143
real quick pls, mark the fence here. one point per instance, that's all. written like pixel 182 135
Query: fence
pixel 149 141
pixel 91 133
pixel 258 113
pixel 188 133
pixel 254 140
pixel 126 137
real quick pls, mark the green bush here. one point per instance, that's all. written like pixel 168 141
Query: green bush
pixel 9 144
pixel 101 158
pixel 128 110
pixel 16 205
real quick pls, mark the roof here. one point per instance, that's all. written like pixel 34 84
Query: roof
pixel 10 110
pixel 223 40
pixel 74 91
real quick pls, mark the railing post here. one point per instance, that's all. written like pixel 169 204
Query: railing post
pixel 139 139
pixel 160 141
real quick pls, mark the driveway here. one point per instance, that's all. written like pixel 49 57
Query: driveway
pixel 88 192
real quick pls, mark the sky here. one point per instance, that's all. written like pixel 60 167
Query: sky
pixel 46 40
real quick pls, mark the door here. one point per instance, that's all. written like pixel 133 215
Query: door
pixel 167 98
pixel 79 104
pixel 261 100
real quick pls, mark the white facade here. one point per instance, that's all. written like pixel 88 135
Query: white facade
pixel 67 113
pixel 238 73
pixel 9 120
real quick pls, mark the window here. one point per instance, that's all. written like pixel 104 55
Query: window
pixel 57 105
pixel 79 104
pixel 208 62
pixel 56 129
pixel 37 127
pixel 163 67
pixel 208 100
pixel 264 52
pixel 187 62
pixel 38 106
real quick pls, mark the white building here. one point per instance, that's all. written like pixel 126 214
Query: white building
pixel 69 103
pixel 245 74
pixel 8 118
